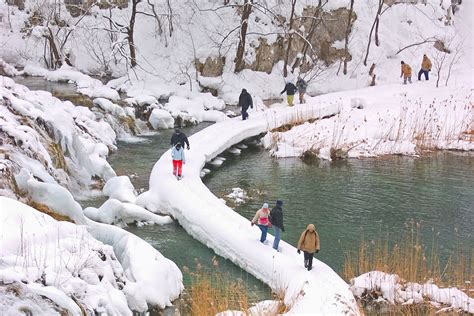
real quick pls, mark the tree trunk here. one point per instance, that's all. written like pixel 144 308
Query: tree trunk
pixel 290 38
pixel 346 45
pixel 55 56
pixel 239 57
pixel 379 10
pixel 130 31
pixel 377 42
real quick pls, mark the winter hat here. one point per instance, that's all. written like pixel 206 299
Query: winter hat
pixel 279 203
pixel 265 205
pixel 402 62
pixel 244 90
pixel 178 146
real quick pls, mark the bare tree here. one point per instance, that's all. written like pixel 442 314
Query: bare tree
pixel 346 44
pixel 376 21
pixel 290 38
pixel 239 57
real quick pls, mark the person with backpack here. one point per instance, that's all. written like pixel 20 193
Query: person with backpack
pixel 261 219
pixel 290 90
pixel 406 72
pixel 179 137
pixel 245 101
pixel 177 153
pixel 276 219
pixel 309 243
pixel 301 85
pixel 425 68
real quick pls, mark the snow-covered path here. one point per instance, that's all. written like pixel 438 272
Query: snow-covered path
pixel 230 235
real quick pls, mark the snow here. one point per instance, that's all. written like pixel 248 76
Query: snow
pixel 120 188
pixel 231 236
pixel 394 290
pixel 384 120
pixel 161 119
pixel 127 275
pixel 85 84
pixel 121 213
pixel 55 258
pixel 43 131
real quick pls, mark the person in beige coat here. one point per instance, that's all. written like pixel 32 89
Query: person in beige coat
pixel 425 68
pixel 406 72
pixel 309 243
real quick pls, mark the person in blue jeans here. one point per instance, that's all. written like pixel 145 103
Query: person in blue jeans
pixel 261 219
pixel 276 218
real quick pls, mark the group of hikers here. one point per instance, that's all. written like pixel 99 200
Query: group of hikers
pixel 424 70
pixel 246 102
pixel 265 218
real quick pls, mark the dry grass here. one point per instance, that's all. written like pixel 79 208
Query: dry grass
pixel 212 292
pixel 413 261
pixel 57 156
pixel 46 210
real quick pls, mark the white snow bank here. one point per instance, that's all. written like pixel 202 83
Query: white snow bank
pixel 261 308
pixel 120 188
pixel 7 70
pixel 161 119
pixel 140 278
pixel 158 281
pixel 206 218
pixel 394 290
pixel 59 260
pixel 109 107
pixel 48 137
pixel 118 213
pixel 384 120
pixel 85 84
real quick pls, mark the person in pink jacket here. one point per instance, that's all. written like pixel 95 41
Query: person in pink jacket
pixel 261 219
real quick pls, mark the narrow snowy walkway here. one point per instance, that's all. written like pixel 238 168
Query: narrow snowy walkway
pixel 209 220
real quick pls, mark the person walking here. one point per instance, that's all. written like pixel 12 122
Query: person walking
pixel 177 153
pixel 261 219
pixel 276 219
pixel 309 243
pixel 406 72
pixel 245 101
pixel 301 86
pixel 179 137
pixel 425 68
pixel 290 90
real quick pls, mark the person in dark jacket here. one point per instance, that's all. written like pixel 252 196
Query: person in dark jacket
pixel 276 218
pixel 245 101
pixel 179 137
pixel 290 90
pixel 301 85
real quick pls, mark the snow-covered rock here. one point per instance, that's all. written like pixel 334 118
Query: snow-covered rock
pixel 161 119
pixel 120 188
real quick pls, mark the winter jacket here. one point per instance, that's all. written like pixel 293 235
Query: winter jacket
pixel 426 64
pixel 290 89
pixel 276 217
pixel 178 154
pixel 309 240
pixel 179 137
pixel 301 85
pixel 406 70
pixel 245 101
pixel 261 217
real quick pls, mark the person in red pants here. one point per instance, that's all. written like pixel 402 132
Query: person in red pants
pixel 177 153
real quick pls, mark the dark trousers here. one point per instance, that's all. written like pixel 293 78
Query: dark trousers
pixel 308 260
pixel 423 72
pixel 245 115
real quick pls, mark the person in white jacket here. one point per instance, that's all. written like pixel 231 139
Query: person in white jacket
pixel 177 153
pixel 261 219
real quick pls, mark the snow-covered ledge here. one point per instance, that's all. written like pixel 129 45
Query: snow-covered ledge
pixel 206 218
